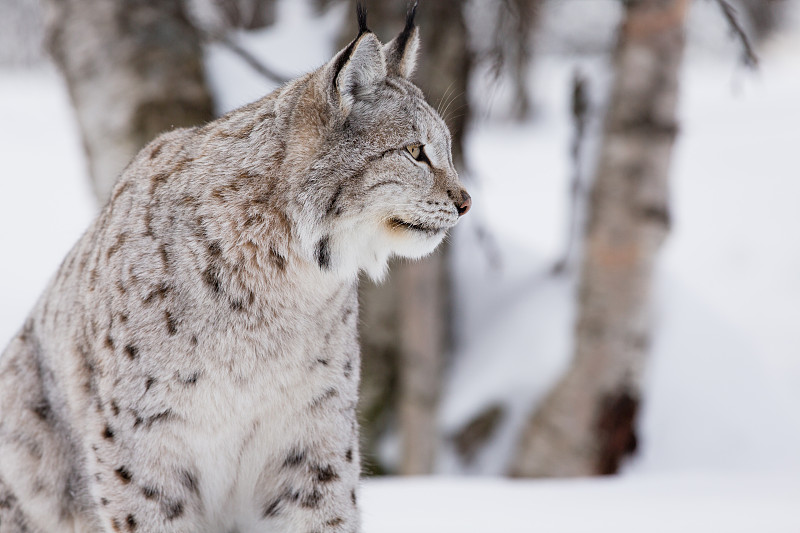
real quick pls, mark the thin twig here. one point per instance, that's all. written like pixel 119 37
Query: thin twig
pixel 580 114
pixel 749 58
pixel 250 59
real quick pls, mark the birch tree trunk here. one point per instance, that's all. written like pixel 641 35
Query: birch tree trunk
pixel 405 321
pixel 586 425
pixel 134 69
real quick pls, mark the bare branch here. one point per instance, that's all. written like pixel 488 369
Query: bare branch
pixel 749 58
pixel 225 40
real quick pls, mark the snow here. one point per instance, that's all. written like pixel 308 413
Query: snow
pixel 720 425
pixel 655 504
pixel 722 381
pixel 45 200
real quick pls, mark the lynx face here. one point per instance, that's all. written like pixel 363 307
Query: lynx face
pixel 395 190
pixel 408 195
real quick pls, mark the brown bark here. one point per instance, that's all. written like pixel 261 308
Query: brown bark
pixel 586 425
pixel 134 69
pixel 405 321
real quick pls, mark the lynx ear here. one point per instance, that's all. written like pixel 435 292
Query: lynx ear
pixel 359 67
pixel 401 53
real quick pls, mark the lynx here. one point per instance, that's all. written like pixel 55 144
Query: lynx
pixel 193 365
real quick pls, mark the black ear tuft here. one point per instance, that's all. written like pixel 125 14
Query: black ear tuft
pixel 361 13
pixel 412 12
pixel 402 39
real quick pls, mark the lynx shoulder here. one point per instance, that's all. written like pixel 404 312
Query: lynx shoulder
pixel 193 365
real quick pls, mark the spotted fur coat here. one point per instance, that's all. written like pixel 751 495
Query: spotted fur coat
pixel 193 365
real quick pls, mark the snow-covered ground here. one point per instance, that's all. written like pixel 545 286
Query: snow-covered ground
pixel 654 504
pixel 721 422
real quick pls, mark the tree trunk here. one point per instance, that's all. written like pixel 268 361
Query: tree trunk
pixel 405 321
pixel 134 69
pixel 586 425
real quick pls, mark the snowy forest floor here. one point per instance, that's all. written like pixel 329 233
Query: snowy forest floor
pixel 721 423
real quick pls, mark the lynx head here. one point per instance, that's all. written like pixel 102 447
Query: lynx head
pixel 378 175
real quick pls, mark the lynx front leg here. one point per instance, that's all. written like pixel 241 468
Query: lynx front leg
pixel 316 497
pixel 145 484
pixel 312 488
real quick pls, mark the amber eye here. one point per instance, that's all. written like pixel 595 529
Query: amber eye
pixel 416 152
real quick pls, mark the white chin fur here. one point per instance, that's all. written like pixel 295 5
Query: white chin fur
pixel 352 249
pixel 387 244
pixel 415 246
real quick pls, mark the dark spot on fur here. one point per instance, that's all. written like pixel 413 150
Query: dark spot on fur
pixel 131 521
pixel 172 510
pixel 172 327
pixel 323 253
pixel 346 314
pixel 348 455
pixel 323 362
pixel 115 525
pixel 149 382
pixel 319 400
pixel 108 433
pixel 131 351
pixel 348 368
pixel 277 259
pixel 191 379
pixel 157 180
pixel 150 493
pixel 160 292
pixel 189 480
pixel 114 408
pixel 332 203
pixel 162 250
pixel 214 249
pixel 42 409
pixel 159 417
pixel 123 473
pixel 212 279
pixel 271 508
pixel 335 521
pixel 157 150
pixel 262 199
pixel 148 223
pixel 103 501
pixel 324 474
pixel 353 496
pixel 114 248
pixel 109 342
pixel 295 458
pixel 311 499
pixel 193 340
pixel 137 421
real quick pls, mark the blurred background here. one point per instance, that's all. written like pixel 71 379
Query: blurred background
pixel 622 299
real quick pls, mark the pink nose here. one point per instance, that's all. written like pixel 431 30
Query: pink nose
pixel 466 203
